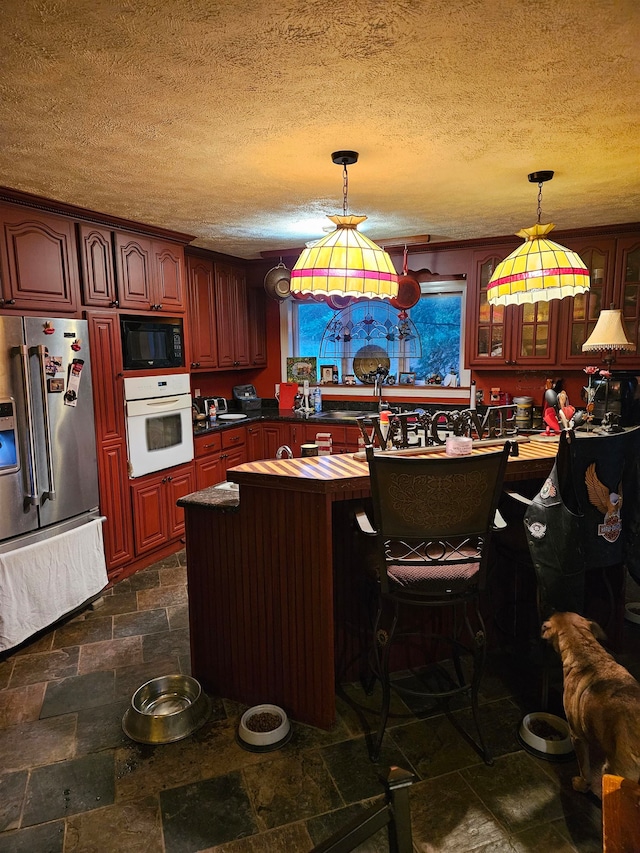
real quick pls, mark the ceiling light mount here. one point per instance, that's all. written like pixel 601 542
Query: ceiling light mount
pixel 540 177
pixel 347 158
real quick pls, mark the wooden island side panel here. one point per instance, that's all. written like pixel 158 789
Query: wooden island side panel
pixel 261 601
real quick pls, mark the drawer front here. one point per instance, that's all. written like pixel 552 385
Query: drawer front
pixel 234 437
pixel 206 444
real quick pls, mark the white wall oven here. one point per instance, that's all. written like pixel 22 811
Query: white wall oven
pixel 159 423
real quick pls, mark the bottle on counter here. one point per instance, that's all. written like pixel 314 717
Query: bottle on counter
pixel 317 400
pixel 213 412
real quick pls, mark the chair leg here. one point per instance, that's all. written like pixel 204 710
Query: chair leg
pixel 478 671
pixel 383 641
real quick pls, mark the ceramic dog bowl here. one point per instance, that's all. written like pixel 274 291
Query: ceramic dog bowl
pixel 166 709
pixel 545 735
pixel 632 612
pixel 264 728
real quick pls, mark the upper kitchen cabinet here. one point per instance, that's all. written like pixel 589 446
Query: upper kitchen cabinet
pixel 150 274
pixel 202 312
pixel 516 335
pixel 257 314
pixel 97 267
pixel 580 313
pixel 627 296
pixel 231 316
pixel 38 266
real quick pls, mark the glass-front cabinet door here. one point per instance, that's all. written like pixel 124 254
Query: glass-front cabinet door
pixel 512 335
pixel 580 313
pixel 627 297
pixel 486 344
pixel 533 334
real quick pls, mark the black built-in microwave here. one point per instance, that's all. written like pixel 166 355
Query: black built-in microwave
pixel 151 342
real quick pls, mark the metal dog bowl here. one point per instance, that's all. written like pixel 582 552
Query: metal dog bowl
pixel 166 709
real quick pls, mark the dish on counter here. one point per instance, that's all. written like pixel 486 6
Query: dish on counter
pixel 232 417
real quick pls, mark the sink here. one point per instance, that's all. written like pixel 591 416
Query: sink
pixel 341 415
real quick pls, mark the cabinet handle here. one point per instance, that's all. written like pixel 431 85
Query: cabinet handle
pixel 169 479
pixel 114 304
pixel 159 306
pixel 213 444
pixel 7 301
pixel 164 479
pixel 235 438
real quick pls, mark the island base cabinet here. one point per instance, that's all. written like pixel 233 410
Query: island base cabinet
pixel 260 599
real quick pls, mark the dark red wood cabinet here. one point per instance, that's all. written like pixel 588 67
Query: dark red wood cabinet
pixel 156 518
pixel 231 316
pixel 97 266
pixel 38 262
pixel 150 274
pixel 111 443
pixel 257 319
pixel 202 312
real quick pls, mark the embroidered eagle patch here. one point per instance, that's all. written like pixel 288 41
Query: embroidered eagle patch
pixel 607 502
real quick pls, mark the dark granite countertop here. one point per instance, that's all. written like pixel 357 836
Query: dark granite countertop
pixel 272 413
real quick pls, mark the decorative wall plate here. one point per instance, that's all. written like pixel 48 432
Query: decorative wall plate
pixel 366 361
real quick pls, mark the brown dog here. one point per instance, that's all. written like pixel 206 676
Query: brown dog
pixel 601 702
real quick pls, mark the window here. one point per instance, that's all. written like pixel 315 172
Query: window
pixel 430 345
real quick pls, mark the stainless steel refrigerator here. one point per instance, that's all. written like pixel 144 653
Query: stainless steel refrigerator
pixel 48 469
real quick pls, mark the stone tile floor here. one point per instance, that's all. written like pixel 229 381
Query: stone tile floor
pixel 72 782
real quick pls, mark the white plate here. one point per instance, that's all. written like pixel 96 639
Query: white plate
pixel 231 417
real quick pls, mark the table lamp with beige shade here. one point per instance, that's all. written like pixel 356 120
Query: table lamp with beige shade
pixel 608 337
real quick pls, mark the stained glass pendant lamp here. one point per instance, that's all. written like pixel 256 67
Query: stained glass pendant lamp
pixel 539 270
pixel 344 263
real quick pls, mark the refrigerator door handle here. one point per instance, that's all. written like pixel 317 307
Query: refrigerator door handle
pixel 41 352
pixel 32 495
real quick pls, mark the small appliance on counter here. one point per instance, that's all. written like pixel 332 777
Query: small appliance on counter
pixel 203 405
pixel 246 397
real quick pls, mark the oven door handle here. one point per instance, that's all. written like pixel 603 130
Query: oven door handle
pixel 164 401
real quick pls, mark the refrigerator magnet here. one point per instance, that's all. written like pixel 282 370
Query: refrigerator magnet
pixel 73 382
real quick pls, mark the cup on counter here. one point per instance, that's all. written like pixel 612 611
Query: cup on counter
pixel 309 449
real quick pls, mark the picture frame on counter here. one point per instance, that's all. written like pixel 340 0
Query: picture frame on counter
pixel 300 368
pixel 326 374
pixel 408 378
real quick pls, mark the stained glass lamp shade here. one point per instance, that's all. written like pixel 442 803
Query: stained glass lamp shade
pixel 537 271
pixel 345 263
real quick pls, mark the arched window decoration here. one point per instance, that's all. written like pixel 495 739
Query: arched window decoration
pixel 370 323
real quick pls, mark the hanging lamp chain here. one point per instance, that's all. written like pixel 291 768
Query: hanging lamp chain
pixel 539 202
pixel 345 187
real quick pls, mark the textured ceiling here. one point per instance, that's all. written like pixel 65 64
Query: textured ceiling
pixel 218 117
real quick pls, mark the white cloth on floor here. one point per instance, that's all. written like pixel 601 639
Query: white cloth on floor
pixel 43 581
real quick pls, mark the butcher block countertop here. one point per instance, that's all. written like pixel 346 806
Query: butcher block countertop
pixel 345 472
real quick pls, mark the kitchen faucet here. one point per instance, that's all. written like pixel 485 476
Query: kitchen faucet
pixel 381 374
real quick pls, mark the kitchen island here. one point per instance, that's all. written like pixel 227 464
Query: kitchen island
pixel 272 570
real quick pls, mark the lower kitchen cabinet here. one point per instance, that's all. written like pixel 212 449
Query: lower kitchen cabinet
pixel 208 464
pixel 115 505
pixel 215 453
pixel 274 435
pixel 255 442
pixel 156 518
